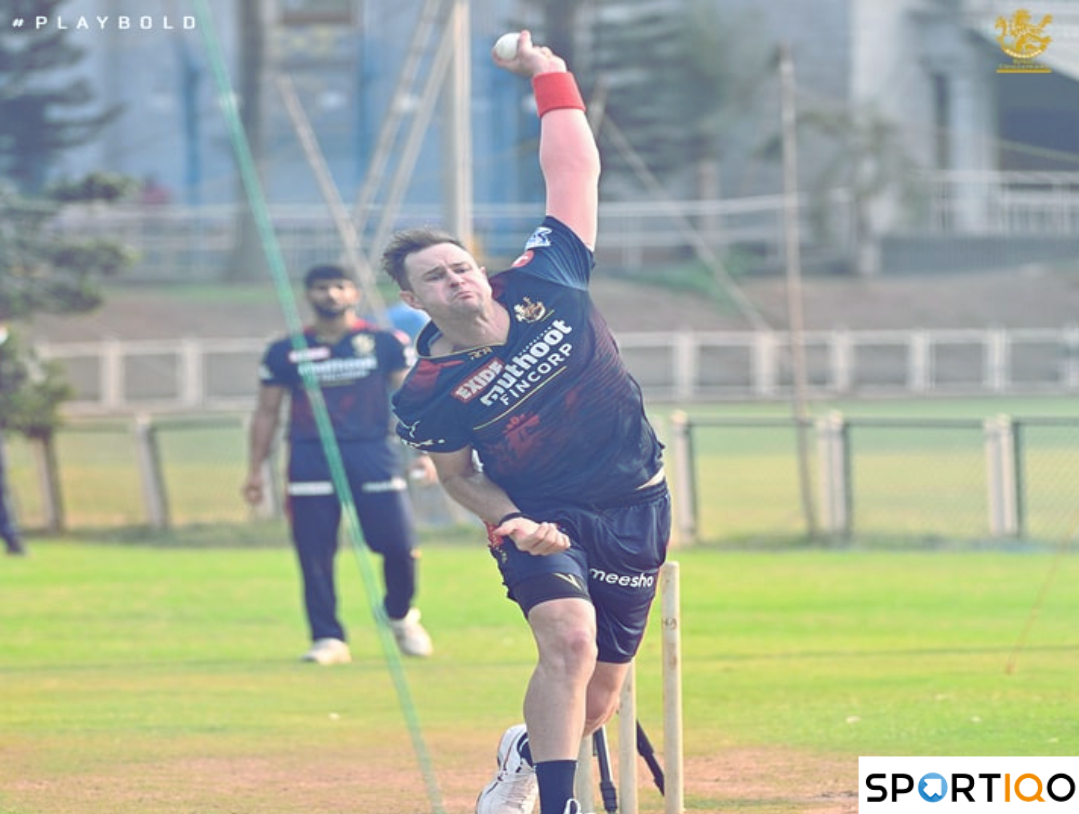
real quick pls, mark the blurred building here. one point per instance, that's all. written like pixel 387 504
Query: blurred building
pixel 344 58
pixel 996 149
pixel 945 70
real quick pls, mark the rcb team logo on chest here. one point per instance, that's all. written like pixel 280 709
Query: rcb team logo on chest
pixel 363 344
pixel 528 311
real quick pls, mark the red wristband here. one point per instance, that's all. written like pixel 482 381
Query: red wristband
pixel 493 540
pixel 556 91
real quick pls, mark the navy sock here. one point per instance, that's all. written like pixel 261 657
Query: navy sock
pixel 555 778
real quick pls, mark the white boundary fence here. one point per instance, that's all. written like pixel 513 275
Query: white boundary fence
pixel 178 243
pixel 197 374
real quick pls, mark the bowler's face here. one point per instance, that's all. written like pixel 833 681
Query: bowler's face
pixel 446 281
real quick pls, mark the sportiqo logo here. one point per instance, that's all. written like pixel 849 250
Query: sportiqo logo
pixel 900 784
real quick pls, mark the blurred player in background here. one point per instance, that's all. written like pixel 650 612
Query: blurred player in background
pixel 9 527
pixel 357 366
pixel 521 371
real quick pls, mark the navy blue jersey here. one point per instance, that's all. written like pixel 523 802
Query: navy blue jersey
pixel 353 375
pixel 553 413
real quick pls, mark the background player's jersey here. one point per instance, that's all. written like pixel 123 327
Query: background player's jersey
pixel 354 377
pixel 553 413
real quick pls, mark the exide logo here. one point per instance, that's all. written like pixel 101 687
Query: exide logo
pixel 474 385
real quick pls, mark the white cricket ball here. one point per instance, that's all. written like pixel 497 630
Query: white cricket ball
pixel 506 47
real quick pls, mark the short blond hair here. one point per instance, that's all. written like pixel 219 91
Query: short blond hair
pixel 406 243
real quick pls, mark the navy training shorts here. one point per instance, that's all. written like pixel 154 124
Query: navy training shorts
pixel 616 551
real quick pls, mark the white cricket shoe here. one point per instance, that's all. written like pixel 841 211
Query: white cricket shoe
pixel 412 639
pixel 328 651
pixel 514 789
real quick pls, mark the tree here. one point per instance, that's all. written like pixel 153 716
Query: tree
pixel 32 391
pixel 44 110
pixel 560 26
pixel 671 71
pixel 867 158
pixel 873 163
pixel 41 271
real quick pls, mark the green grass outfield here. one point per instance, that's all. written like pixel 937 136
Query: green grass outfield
pixel 162 679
